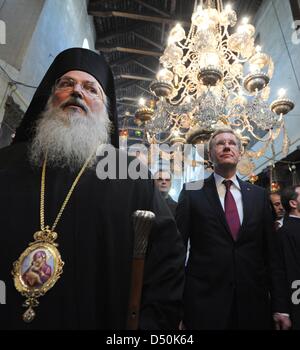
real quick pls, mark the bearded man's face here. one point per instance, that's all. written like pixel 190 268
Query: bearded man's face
pixel 73 124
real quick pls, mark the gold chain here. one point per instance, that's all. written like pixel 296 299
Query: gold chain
pixel 65 202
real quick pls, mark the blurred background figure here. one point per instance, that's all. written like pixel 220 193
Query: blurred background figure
pixel 278 210
pixel 163 181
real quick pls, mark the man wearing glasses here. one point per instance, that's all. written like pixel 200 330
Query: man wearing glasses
pixel 51 195
pixel 234 276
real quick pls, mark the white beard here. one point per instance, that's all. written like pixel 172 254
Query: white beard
pixel 68 137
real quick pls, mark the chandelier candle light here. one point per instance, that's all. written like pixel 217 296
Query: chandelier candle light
pixel 211 78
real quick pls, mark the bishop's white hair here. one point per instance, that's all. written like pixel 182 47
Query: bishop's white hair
pixel 69 137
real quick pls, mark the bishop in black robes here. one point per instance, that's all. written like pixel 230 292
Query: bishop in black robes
pixel 95 231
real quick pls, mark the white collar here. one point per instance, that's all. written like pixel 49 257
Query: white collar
pixel 219 180
pixel 294 216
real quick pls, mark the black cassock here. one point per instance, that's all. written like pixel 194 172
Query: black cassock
pixel 95 237
pixel 289 235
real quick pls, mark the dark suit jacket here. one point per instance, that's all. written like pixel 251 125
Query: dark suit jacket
pixel 222 273
pixel 171 204
pixel 289 237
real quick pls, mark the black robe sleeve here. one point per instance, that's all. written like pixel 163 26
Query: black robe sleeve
pixel 183 215
pixel 164 272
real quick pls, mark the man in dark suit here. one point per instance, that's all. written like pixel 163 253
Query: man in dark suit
pixel 289 237
pixel 163 181
pixel 233 265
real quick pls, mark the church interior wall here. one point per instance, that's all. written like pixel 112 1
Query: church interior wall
pixel 278 38
pixel 49 26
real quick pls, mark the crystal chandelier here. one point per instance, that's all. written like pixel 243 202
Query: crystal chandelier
pixel 213 77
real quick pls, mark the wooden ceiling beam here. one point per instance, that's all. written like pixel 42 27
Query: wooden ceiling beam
pixel 126 98
pixel 110 48
pixel 114 34
pixel 152 8
pixel 124 84
pixel 137 16
pixel 133 77
pixel 128 104
pixel 144 90
pixel 121 61
pixel 144 66
pixel 147 40
pixel 121 88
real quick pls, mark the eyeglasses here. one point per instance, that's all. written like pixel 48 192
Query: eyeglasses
pixel 89 88
pixel 222 143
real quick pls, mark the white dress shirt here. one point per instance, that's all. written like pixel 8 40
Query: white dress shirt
pixel 294 216
pixel 280 222
pixel 235 189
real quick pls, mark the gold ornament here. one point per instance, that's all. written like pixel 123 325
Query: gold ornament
pixel 40 265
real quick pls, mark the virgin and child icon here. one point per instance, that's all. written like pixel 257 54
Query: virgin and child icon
pixel 37 268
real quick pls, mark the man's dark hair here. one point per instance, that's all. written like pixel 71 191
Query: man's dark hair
pixel 270 192
pixel 288 194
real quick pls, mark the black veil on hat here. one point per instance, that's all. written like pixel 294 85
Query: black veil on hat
pixel 71 59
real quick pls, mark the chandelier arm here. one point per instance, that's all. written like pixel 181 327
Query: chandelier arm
pixel 204 79
pixel 238 123
pixel 273 150
pixel 260 152
pixel 268 138
pixel 275 133
pixel 286 141
pixel 168 138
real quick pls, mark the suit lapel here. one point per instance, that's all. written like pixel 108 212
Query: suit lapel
pixel 213 197
pixel 211 193
pixel 246 200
